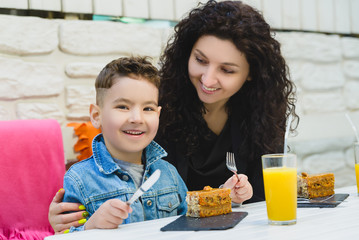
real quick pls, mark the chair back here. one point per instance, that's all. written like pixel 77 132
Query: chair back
pixel 32 166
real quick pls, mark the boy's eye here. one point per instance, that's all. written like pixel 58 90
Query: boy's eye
pixel 123 107
pixel 149 109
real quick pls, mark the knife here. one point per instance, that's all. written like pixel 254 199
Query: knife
pixel 145 186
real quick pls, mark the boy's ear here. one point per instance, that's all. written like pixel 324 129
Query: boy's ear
pixel 159 110
pixel 95 113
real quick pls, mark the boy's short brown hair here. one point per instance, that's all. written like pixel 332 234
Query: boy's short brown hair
pixel 134 67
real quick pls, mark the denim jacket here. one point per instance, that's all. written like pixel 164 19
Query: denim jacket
pixel 97 179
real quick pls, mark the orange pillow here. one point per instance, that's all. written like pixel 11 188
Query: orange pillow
pixel 86 133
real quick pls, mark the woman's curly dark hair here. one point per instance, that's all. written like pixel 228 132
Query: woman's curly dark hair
pixel 264 103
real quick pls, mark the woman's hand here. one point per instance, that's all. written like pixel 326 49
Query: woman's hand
pixel 241 189
pixel 109 215
pixel 62 221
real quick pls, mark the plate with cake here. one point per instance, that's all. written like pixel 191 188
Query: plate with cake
pixel 317 190
pixel 207 209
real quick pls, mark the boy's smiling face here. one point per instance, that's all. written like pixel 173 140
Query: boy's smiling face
pixel 128 117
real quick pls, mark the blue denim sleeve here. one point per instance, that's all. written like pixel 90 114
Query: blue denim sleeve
pixel 182 192
pixel 77 229
pixel 72 194
pixel 72 188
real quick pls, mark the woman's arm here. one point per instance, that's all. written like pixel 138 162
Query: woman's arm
pixel 63 215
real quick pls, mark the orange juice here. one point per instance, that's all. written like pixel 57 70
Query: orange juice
pixel 280 186
pixel 357 175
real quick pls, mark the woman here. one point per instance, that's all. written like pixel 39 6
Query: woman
pixel 224 88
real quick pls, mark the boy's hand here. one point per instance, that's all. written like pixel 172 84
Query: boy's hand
pixel 241 189
pixel 109 215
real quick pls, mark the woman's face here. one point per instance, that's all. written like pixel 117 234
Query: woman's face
pixel 217 69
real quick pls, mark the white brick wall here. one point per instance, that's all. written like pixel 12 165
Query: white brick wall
pixel 29 35
pixel 108 7
pixel 342 16
pixel 109 38
pixel 137 9
pixel 46 5
pixel 77 6
pixel 334 16
pixel 48 68
pixel 18 4
pixel 162 9
pixel 272 12
pixel 291 14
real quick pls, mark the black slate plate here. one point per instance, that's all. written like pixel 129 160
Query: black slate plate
pixel 221 222
pixel 322 202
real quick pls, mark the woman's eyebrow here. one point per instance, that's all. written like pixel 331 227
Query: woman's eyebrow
pixel 224 63
pixel 200 52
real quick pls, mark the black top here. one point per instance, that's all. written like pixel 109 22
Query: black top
pixel 207 167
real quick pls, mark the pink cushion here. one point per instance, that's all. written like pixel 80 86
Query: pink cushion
pixel 26 234
pixel 32 167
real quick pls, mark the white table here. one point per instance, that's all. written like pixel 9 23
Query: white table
pixel 341 222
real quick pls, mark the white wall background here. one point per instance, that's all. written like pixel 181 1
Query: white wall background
pixel 48 67
pixel 333 16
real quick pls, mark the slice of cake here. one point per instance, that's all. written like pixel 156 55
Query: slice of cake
pixel 208 202
pixel 313 186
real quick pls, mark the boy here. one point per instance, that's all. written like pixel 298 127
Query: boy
pixel 124 154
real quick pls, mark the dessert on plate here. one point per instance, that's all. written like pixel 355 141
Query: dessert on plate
pixel 313 186
pixel 208 202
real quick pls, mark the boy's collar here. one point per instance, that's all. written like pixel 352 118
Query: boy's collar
pixel 107 165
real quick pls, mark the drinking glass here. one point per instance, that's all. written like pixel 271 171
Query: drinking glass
pixel 280 186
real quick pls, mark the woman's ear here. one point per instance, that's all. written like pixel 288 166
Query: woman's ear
pixel 95 113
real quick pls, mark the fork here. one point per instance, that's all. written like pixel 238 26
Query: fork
pixel 231 163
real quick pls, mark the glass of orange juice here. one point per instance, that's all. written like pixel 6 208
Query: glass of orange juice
pixel 280 186
pixel 356 157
